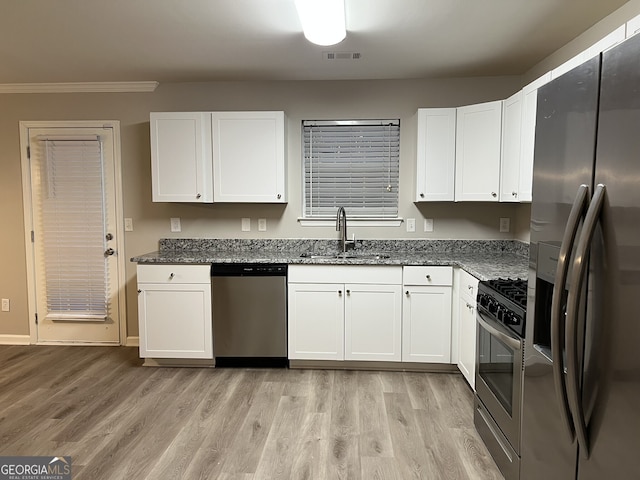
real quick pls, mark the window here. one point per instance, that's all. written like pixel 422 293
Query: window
pixel 352 164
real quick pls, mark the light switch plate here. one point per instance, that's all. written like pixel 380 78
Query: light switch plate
pixel 5 304
pixel 128 224
pixel 262 224
pixel 428 224
pixel 246 224
pixel 175 224
pixel 411 224
pixel 505 224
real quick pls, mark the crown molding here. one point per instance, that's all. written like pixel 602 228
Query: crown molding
pixel 78 87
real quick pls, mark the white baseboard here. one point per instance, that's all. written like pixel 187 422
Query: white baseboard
pixel 132 342
pixel 15 340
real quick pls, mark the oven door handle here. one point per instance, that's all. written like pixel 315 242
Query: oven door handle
pixel 578 210
pixel 512 342
pixel 578 275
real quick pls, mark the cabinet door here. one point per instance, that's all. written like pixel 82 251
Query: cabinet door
pixel 528 135
pixel 510 153
pixel 175 320
pixel 426 324
pixel 632 27
pixel 467 336
pixel 478 139
pixel 249 157
pixel 373 322
pixel 316 321
pixel 181 164
pixel 436 155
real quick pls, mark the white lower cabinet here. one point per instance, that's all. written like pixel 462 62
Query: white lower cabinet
pixel 316 321
pixel 344 312
pixel 373 322
pixel 466 306
pixel 426 314
pixel 174 311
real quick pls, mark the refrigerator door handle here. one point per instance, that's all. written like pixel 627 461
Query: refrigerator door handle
pixel 578 275
pixel 578 209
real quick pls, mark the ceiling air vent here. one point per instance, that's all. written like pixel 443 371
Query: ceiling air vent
pixel 342 55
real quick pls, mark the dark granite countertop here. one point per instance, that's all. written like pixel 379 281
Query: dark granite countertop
pixel 483 259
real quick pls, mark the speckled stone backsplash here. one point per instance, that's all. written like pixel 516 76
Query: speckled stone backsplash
pixel 330 246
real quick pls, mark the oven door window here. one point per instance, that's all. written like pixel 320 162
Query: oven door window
pixel 495 367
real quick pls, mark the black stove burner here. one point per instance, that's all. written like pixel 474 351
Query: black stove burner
pixel 505 300
pixel 514 290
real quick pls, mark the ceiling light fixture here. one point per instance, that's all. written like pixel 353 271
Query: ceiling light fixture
pixel 323 21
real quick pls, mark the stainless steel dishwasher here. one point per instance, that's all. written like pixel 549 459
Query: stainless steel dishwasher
pixel 249 314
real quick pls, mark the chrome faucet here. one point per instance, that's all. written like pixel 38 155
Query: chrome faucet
pixel 341 226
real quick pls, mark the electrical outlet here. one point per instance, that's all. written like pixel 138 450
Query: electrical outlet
pixel 175 225
pixel 505 224
pixel 262 224
pixel 128 224
pixel 411 224
pixel 246 225
pixel 5 304
pixel 428 224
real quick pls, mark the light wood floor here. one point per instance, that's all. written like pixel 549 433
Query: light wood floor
pixel 118 420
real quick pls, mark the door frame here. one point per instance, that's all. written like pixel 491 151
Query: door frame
pixel 114 125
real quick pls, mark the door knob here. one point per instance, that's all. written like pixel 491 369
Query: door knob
pixel 109 236
pixel 109 251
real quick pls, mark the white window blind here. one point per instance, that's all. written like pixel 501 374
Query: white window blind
pixel 352 164
pixel 72 214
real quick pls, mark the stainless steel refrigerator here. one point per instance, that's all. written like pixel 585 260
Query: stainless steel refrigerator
pixel 581 404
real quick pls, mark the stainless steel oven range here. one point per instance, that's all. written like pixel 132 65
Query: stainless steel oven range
pixel 501 313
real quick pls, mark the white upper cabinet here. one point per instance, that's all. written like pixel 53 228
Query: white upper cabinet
pixel 436 155
pixel 249 157
pixel 601 45
pixel 632 27
pixel 181 165
pixel 528 135
pixel 478 143
pixel 615 37
pixel 511 137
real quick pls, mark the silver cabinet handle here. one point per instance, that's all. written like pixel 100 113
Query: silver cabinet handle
pixel 407 293
pixel 109 251
pixel 422 195
pixel 348 292
pixel 470 287
pixel 494 194
pixel 339 292
pixel 573 306
pixel 428 277
pixel 557 332
pixel 279 196
pixel 139 291
pixel 109 236
pixel 171 276
pixel 515 194
pixel 198 195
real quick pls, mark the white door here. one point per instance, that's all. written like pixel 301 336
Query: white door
pixel 373 322
pixel 426 324
pixel 71 208
pixel 316 321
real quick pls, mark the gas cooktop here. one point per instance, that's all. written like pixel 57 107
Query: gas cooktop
pixel 505 300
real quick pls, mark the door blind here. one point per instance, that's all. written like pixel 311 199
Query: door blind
pixel 72 218
pixel 351 164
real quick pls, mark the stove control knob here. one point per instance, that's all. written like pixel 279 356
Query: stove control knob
pixel 493 307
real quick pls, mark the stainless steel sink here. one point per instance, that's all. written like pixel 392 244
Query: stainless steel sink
pixel 346 256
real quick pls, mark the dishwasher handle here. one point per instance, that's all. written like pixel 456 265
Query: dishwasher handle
pixel 248 270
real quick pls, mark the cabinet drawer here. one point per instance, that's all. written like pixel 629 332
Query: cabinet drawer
pixel 427 275
pixel 468 287
pixel 371 274
pixel 174 273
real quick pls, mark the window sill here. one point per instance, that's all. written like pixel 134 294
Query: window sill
pixel 352 222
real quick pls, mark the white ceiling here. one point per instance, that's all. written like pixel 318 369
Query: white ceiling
pixel 45 41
